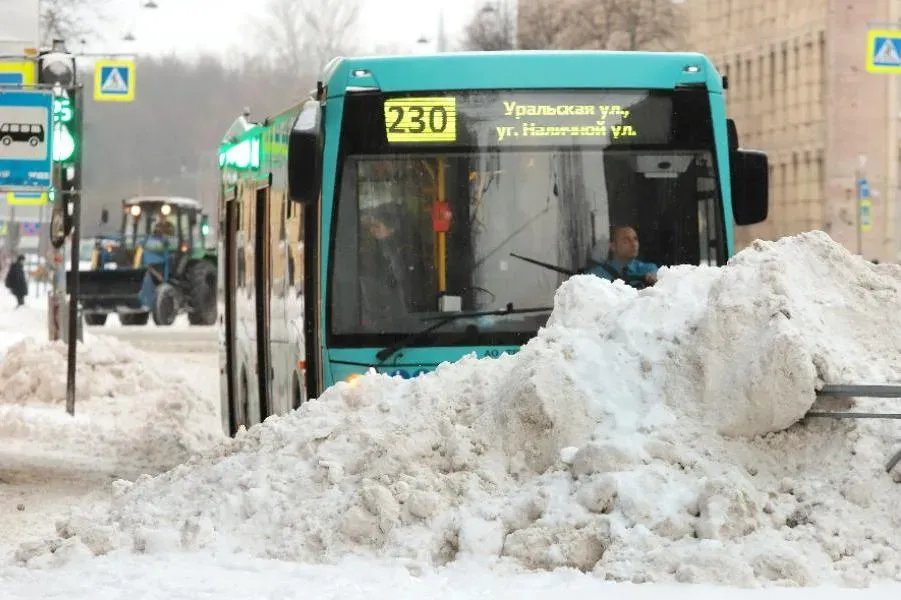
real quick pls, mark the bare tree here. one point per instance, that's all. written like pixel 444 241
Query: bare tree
pixel 544 24
pixel 582 25
pixel 490 29
pixel 70 20
pixel 649 24
pixel 303 35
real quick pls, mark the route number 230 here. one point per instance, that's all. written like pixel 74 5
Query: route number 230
pixel 421 120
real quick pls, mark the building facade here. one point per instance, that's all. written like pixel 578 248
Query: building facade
pixel 799 90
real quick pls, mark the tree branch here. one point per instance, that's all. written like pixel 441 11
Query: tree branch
pixel 582 25
pixel 301 36
pixel 70 20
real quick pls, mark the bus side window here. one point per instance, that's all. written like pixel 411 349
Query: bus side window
pixel 707 216
pixel 239 242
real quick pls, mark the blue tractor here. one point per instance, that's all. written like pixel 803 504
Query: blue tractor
pixel 158 264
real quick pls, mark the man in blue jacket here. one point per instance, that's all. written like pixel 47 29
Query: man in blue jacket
pixel 623 262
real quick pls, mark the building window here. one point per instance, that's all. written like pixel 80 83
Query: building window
pixel 760 82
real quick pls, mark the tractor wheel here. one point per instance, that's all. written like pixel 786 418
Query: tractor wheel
pixel 201 278
pixel 134 319
pixel 165 305
pixel 96 319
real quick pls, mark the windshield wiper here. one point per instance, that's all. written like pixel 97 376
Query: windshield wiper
pixel 405 342
pixel 627 279
pixel 548 266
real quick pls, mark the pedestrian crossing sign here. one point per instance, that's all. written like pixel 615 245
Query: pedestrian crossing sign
pixel 884 51
pixel 114 81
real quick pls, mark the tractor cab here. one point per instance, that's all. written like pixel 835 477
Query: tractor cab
pixel 156 230
pixel 157 265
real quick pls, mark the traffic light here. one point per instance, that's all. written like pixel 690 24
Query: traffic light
pixel 57 68
pixel 57 71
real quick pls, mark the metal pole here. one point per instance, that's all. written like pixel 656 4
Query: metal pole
pixel 58 267
pixel 514 26
pixel 73 303
pixel 857 220
pixel 74 312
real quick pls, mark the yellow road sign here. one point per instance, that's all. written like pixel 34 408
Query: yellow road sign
pixel 114 80
pixel 884 51
pixel 18 72
pixel 27 198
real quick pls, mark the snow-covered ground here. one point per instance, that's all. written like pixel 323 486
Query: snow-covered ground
pixel 653 437
pixel 136 412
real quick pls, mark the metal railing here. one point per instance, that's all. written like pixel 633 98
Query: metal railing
pixel 860 391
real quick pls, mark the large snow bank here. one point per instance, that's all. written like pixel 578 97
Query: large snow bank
pixel 640 436
pixel 131 409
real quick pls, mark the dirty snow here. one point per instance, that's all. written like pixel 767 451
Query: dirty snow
pixel 130 410
pixel 644 437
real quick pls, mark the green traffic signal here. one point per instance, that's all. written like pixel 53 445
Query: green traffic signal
pixel 62 110
pixel 64 143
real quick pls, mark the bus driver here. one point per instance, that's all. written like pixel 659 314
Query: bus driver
pixel 622 262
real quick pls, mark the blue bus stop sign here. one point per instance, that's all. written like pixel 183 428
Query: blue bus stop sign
pixel 26 140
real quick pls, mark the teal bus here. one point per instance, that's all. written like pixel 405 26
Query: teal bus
pixel 417 209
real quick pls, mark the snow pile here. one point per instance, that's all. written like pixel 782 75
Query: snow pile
pixel 17 324
pixel 127 404
pixel 35 372
pixel 620 442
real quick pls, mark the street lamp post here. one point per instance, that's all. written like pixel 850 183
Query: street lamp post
pixel 440 37
pixel 509 13
pixel 149 4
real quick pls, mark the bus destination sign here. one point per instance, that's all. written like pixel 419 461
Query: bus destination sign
pixel 530 118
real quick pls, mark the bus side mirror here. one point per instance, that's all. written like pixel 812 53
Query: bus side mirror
pixel 749 170
pixel 732 134
pixel 305 155
pixel 104 216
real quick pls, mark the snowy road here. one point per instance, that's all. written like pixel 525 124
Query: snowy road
pixel 129 418
pixel 180 337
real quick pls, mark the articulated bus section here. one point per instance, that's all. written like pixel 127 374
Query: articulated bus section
pixel 261 287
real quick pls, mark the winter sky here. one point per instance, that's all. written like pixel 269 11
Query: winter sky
pixel 188 26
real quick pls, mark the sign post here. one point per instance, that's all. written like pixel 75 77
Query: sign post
pixel 884 57
pixel 863 204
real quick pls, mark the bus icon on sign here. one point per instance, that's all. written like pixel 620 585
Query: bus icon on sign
pixel 27 133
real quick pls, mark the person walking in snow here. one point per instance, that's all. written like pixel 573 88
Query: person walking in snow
pixel 16 282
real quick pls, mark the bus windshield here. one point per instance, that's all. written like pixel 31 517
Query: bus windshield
pixel 427 229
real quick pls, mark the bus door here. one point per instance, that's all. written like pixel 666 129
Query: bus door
pixel 262 268
pixel 281 357
pixel 227 288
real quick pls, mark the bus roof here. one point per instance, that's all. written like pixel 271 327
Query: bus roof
pixel 573 69
pixel 530 69
pixel 174 200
